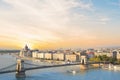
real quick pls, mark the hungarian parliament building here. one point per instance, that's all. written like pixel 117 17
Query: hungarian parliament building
pixel 25 52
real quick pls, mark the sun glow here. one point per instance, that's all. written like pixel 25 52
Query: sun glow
pixel 30 45
pixel 58 23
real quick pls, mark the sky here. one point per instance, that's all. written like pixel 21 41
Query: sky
pixel 50 24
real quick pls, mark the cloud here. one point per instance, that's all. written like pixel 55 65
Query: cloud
pixel 42 13
pixel 46 20
pixel 104 20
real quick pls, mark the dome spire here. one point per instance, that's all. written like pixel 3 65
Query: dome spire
pixel 26 47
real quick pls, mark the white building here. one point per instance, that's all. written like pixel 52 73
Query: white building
pixel 118 56
pixel 39 55
pixel 49 56
pixel 58 56
pixel 34 55
pixel 71 57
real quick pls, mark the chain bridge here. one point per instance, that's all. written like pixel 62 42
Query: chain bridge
pixel 21 66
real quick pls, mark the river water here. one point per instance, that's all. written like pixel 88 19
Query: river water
pixel 61 73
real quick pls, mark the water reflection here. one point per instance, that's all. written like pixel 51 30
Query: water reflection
pixel 20 78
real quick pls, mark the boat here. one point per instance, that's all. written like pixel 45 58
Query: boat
pixel 72 71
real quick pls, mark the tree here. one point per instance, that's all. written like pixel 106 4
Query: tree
pixel 103 58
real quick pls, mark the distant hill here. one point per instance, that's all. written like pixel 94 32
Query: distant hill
pixel 9 51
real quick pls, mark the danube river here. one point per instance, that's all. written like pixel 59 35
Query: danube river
pixel 61 73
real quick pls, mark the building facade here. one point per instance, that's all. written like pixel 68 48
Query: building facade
pixel 25 52
pixel 49 56
pixel 59 56
pixel 72 57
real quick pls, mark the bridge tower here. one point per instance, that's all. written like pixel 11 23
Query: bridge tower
pixel 20 71
pixel 83 59
pixel 83 65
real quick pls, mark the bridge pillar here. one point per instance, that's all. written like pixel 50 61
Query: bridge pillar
pixel 83 59
pixel 20 71
pixel 83 65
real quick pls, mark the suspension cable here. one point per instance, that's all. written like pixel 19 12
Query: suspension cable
pixel 31 64
pixel 7 67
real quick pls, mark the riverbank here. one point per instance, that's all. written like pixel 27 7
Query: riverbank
pixel 111 67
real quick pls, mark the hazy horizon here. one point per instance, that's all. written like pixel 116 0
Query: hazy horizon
pixel 50 24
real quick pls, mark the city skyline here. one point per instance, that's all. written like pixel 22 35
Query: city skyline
pixel 46 24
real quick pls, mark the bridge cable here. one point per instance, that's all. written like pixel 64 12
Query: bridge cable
pixel 7 67
pixel 31 64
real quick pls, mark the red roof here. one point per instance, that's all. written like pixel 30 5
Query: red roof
pixel 90 53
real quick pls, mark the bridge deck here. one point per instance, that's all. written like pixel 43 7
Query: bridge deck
pixel 50 66
pixel 9 71
pixel 39 67
pixel 42 67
